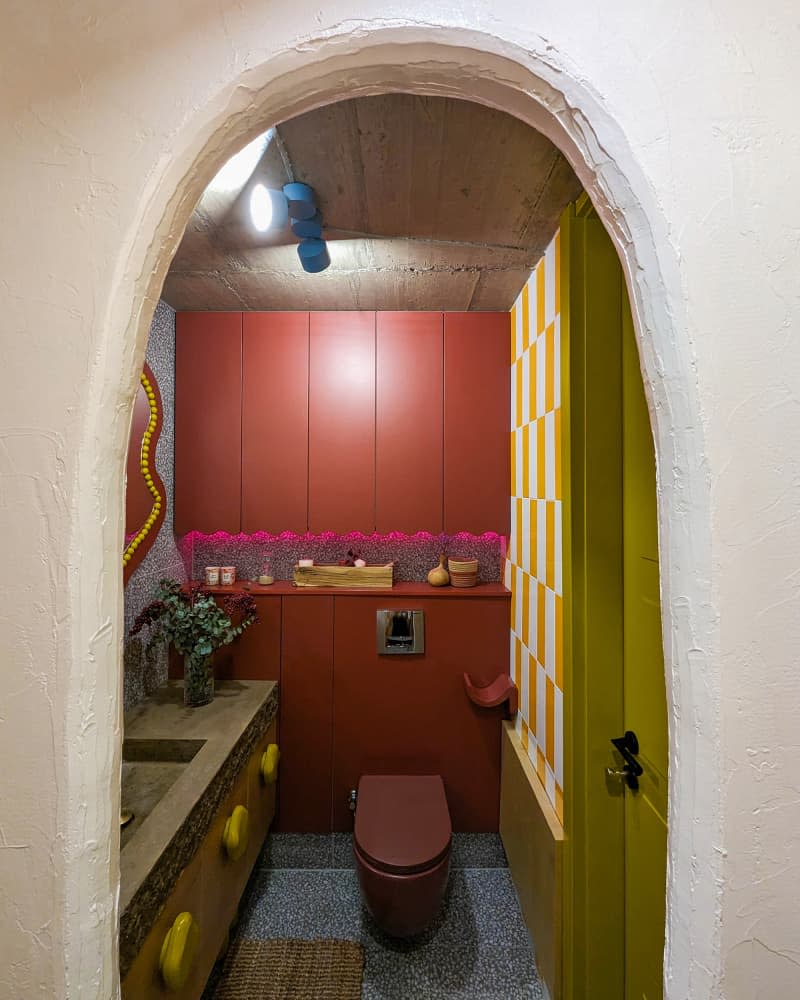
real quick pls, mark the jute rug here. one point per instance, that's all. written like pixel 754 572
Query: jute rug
pixel 287 969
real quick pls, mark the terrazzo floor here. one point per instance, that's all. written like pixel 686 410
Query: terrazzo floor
pixel 305 886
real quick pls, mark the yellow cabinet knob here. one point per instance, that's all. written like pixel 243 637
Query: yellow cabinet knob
pixel 178 951
pixel 269 763
pixel 236 831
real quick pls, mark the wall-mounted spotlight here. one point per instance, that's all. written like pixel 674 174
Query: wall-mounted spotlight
pixel 268 208
pixel 308 228
pixel 271 210
pixel 302 204
pixel 313 255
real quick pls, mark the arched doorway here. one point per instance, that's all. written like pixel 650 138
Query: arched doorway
pixel 475 67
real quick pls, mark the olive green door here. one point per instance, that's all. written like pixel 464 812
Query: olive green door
pixel 615 847
pixel 644 709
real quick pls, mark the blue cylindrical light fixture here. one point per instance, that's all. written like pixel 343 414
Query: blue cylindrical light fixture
pixel 313 255
pixel 308 228
pixel 302 203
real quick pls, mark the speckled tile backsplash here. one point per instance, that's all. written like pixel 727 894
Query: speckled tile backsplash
pixel 144 670
pixel 413 555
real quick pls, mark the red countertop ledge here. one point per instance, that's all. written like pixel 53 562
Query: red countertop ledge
pixel 285 588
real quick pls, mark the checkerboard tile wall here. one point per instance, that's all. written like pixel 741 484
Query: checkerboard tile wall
pixel 533 565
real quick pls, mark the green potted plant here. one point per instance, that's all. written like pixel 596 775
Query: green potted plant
pixel 196 626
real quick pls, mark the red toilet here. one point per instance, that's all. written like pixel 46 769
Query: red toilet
pixel 402 843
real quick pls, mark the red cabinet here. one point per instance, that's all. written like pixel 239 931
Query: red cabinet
pixel 408 424
pixel 208 421
pixel 256 654
pixel 411 714
pixel 477 406
pixel 344 710
pixel 275 422
pixel 342 421
pixel 306 715
pixel 341 429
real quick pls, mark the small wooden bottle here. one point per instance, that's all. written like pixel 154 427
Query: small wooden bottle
pixel 438 576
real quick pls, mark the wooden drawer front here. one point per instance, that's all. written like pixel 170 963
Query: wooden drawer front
pixel 260 798
pixel 223 878
pixel 144 981
pixel 210 888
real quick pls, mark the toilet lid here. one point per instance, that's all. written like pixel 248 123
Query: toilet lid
pixel 402 821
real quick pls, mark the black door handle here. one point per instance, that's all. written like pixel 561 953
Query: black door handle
pixel 628 747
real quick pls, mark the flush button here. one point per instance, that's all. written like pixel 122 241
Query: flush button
pixel 399 632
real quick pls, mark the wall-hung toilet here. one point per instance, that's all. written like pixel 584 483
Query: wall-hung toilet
pixel 402 842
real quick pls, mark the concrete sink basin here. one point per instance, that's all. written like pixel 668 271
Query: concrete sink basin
pixel 150 767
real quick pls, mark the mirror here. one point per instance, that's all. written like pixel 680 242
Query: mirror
pixel 145 496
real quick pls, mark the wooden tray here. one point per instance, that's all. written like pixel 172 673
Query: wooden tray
pixel 343 576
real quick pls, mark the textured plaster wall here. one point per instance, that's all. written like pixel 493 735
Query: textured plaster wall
pixel 680 120
pixel 145 670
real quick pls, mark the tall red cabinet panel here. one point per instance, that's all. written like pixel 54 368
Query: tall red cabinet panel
pixel 476 422
pixel 408 427
pixel 275 421
pixel 208 421
pixel 306 710
pixel 341 432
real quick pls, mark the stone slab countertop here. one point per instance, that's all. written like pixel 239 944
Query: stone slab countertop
pixel 168 838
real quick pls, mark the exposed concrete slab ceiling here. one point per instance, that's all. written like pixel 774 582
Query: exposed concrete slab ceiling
pixel 428 203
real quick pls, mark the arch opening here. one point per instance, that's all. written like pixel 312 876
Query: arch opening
pixel 475 67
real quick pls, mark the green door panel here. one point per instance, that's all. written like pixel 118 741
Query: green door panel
pixel 616 846
pixel 645 692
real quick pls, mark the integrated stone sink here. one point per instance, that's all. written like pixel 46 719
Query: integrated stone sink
pixel 150 767
pixel 179 765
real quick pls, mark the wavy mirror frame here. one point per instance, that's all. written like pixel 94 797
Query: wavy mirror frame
pixel 141 542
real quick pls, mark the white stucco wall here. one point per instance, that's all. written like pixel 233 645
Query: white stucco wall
pixel 681 120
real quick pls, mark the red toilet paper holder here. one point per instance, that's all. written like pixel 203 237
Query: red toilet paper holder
pixel 501 689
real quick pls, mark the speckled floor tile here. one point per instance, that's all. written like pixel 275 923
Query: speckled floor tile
pixel 297 850
pixel 342 851
pixel 302 904
pixel 478 850
pixel 478 948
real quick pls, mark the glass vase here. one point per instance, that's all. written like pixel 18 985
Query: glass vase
pixel 198 679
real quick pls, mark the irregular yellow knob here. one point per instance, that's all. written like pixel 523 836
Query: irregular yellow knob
pixel 269 763
pixel 178 951
pixel 235 834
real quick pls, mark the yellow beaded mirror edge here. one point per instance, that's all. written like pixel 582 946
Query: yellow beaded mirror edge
pixel 145 501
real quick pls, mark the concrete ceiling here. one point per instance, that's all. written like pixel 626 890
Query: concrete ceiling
pixel 428 203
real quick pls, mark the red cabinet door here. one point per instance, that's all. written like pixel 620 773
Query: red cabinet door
pixel 306 711
pixel 408 429
pixel 477 391
pixel 208 421
pixel 341 432
pixel 256 654
pixel 275 422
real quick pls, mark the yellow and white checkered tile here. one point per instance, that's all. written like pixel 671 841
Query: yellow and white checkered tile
pixel 533 566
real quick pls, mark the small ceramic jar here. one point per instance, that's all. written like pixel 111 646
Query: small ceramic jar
pixel 212 576
pixel 228 575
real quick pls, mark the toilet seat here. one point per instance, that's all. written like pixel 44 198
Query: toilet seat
pixel 402 822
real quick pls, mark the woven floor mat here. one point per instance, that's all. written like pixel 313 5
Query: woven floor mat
pixel 288 969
